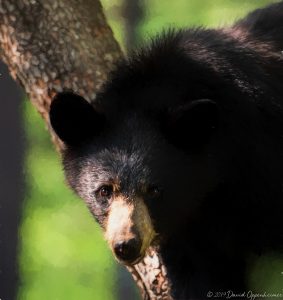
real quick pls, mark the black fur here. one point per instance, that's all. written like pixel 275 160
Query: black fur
pixel 198 113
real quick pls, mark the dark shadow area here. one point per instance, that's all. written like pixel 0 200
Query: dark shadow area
pixel 11 181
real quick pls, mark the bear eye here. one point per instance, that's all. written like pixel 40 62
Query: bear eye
pixel 154 191
pixel 105 191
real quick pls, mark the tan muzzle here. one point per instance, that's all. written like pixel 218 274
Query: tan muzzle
pixel 129 229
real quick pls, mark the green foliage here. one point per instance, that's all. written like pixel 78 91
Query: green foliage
pixel 212 13
pixel 267 275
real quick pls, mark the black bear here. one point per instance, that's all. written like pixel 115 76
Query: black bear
pixel 185 147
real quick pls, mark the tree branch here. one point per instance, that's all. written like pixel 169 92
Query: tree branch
pixel 53 45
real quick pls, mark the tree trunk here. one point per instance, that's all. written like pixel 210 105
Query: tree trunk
pixel 51 45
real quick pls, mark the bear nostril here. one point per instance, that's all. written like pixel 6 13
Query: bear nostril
pixel 128 251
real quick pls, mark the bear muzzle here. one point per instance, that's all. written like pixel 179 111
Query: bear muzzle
pixel 129 229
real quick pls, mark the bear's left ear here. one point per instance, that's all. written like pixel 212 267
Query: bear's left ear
pixel 73 119
pixel 190 126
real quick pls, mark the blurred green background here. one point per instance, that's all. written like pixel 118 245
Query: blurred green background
pixel 62 253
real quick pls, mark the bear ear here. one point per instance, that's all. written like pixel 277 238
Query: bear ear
pixel 73 119
pixel 189 127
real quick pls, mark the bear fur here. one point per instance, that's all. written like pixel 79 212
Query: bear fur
pixel 193 125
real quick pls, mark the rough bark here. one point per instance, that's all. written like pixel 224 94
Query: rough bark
pixel 50 45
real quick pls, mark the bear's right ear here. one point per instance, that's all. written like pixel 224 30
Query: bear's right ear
pixel 73 119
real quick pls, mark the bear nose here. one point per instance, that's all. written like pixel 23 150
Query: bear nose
pixel 128 251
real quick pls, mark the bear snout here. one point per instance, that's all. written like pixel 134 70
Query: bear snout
pixel 129 229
